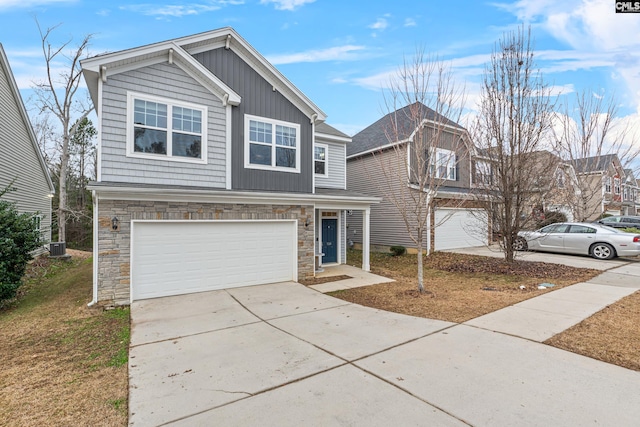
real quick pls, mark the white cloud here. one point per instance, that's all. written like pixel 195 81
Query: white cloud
pixel 410 22
pixel 338 53
pixel 287 4
pixel 178 10
pixel 9 4
pixel 381 24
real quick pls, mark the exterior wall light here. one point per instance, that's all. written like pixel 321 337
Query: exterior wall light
pixel 115 223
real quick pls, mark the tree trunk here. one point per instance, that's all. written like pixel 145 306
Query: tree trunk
pixel 420 271
pixel 62 204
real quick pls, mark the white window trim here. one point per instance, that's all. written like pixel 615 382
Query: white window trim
pixel 131 96
pixel 607 183
pixel 326 160
pixel 247 156
pixel 616 185
pixel 451 157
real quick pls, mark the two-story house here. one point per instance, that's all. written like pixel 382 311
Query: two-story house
pixel 630 196
pixel 381 162
pixel 22 166
pixel 214 171
pixel 600 179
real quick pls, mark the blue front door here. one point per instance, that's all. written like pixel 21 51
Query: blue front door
pixel 329 240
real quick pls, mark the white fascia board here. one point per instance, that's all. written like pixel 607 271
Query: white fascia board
pixel 160 52
pixel 221 196
pixel 212 82
pixel 332 138
pixel 376 149
pixel 263 67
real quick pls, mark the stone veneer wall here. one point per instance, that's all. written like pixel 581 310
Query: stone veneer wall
pixel 114 246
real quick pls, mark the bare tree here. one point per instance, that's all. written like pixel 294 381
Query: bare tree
pixel 515 112
pixel 589 136
pixel 57 95
pixel 424 106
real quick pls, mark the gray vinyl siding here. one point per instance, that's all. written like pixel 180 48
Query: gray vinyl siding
pixel 259 99
pixel 387 227
pixel 170 82
pixel 19 159
pixel 336 165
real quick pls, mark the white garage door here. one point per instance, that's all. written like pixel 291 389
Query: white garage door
pixel 460 228
pixel 172 258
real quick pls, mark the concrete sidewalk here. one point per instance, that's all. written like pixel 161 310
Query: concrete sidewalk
pixel 287 355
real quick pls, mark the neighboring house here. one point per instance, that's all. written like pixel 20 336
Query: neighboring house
pixel 600 180
pixel 375 168
pixel 214 171
pixel 21 163
pixel 555 188
pixel 630 194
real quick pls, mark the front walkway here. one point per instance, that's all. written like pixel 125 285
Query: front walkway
pixel 358 278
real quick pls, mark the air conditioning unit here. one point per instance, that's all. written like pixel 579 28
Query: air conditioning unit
pixel 58 248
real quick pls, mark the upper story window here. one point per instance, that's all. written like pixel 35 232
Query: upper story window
pixel 607 184
pixel 166 129
pixel 320 155
pixel 616 185
pixel 482 172
pixel 442 164
pixel 271 144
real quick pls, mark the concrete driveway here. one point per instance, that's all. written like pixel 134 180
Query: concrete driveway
pixel 287 355
pixel 579 261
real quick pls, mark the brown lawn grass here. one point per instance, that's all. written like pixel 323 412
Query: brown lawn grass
pixel 459 287
pixel 611 335
pixel 63 363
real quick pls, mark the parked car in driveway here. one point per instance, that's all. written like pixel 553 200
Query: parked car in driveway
pixel 578 238
pixel 620 221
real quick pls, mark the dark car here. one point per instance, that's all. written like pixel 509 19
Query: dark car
pixel 620 221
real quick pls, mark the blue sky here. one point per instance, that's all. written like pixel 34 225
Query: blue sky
pixel 342 53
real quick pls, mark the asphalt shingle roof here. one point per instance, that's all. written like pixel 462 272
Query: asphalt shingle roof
pixel 405 118
pixel 593 164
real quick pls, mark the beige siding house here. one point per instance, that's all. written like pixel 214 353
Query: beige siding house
pixel 386 166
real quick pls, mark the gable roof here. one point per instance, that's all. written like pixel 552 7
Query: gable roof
pixel 15 92
pixel 180 51
pixel 594 164
pixel 326 131
pixel 405 119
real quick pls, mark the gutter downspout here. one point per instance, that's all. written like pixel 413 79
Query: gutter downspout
pixel 95 249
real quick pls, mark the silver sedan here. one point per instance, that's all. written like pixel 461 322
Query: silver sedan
pixel 599 241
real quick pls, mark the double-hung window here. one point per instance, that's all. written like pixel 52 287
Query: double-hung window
pixel 607 184
pixel 272 144
pixel 616 185
pixel 320 159
pixel 442 164
pixel 166 129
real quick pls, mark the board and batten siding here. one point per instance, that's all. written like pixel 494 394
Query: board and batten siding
pixel 387 227
pixel 336 165
pixel 170 82
pixel 259 98
pixel 19 160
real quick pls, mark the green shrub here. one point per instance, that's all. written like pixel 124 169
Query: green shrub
pixel 398 250
pixel 18 238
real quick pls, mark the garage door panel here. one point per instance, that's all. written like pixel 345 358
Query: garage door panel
pixel 460 228
pixel 171 258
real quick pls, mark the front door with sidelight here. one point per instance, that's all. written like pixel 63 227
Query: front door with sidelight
pixel 329 240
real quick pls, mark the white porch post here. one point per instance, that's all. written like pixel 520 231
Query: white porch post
pixel 365 239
